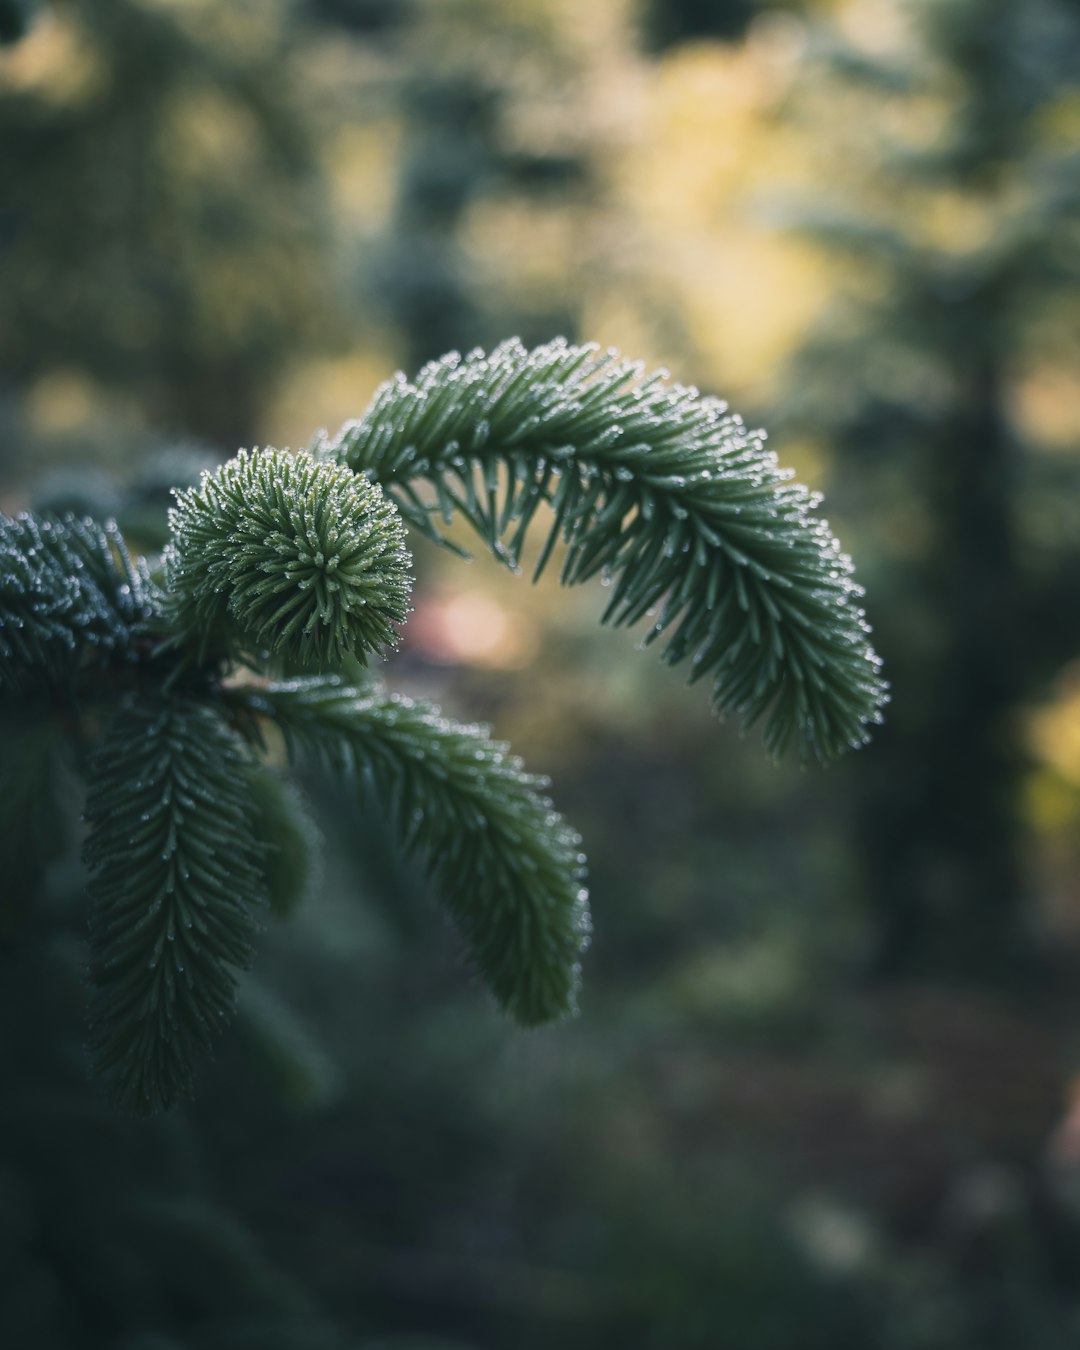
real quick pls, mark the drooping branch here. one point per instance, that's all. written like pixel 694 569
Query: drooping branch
pixel 663 492
pixel 505 864
pixel 175 884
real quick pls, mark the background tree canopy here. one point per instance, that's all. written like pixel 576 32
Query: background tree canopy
pixel 821 1090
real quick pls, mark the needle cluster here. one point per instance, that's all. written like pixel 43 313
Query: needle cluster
pixel 165 675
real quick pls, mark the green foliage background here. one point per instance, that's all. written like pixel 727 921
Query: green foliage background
pixel 819 1093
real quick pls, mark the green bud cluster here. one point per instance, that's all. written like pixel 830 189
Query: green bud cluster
pixel 306 559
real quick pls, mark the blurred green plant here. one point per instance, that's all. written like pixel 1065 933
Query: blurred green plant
pixel 15 17
pixel 284 574
pixel 961 265
pixel 197 258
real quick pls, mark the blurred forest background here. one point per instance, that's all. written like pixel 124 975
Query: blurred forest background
pixel 825 1088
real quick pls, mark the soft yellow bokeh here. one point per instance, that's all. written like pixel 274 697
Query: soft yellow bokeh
pixel 1055 731
pixel 322 394
pixel 52 62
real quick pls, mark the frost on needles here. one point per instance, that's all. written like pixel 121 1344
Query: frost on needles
pixel 285 573
pixel 662 491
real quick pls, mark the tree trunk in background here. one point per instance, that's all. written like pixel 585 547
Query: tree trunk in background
pixel 938 830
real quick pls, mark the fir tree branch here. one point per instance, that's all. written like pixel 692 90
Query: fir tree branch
pixel 68 591
pixel 657 489
pixel 303 557
pixel 289 840
pixel 506 865
pixel 175 881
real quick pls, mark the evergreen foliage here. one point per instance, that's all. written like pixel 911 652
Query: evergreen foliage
pixel 506 864
pixel 175 883
pixel 68 590
pixel 306 558
pixel 171 672
pixel 660 491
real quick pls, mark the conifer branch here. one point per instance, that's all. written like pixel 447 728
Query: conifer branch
pixel 302 558
pixel 506 865
pixel 176 880
pixel 284 554
pixel 660 491
pixel 69 591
